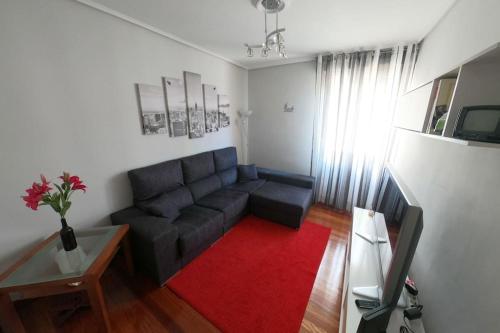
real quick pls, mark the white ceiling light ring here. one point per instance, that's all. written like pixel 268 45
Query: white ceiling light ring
pixel 273 6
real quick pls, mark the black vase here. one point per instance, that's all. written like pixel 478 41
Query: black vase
pixel 67 236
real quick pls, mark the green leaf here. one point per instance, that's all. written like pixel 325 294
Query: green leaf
pixel 55 202
pixel 55 206
pixel 59 188
pixel 65 208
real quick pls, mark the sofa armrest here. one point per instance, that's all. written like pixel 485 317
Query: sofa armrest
pixel 286 178
pixel 154 242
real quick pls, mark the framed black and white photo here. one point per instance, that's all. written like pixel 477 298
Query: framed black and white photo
pixel 152 107
pixel 194 104
pixel 224 111
pixel 175 98
pixel 211 109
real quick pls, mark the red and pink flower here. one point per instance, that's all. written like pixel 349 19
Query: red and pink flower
pixel 36 193
pixel 40 193
pixel 73 181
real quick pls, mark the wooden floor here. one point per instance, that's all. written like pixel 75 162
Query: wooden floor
pixel 137 305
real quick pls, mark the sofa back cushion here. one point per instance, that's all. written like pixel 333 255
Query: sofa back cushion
pixel 226 162
pixel 198 166
pixel 205 186
pixel 153 180
pixel 247 173
pixel 228 176
pixel 225 158
pixel 167 204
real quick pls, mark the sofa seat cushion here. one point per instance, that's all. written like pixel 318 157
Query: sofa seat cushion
pixel 248 187
pixel 198 228
pixel 231 203
pixel 286 204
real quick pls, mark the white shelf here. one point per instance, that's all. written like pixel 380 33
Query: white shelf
pixel 462 142
pixel 362 269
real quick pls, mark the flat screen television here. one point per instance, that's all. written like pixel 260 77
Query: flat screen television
pixel 411 219
pixel 479 123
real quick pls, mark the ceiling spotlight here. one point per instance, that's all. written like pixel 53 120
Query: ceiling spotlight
pixel 265 51
pixel 249 52
pixel 281 48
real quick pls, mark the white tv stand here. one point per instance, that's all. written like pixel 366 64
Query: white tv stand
pixel 361 270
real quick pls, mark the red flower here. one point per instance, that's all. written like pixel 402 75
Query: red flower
pixel 74 181
pixel 36 193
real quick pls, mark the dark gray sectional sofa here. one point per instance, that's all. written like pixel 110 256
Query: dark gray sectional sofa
pixel 183 206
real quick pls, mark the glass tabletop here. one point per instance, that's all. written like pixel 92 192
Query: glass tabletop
pixel 43 266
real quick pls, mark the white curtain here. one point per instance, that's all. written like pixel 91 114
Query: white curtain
pixel 356 96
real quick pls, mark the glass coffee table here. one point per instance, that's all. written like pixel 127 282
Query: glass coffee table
pixel 37 274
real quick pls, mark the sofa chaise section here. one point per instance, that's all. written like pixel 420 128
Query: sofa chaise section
pixel 284 198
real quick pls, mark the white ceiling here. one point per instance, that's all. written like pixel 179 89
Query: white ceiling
pixel 312 26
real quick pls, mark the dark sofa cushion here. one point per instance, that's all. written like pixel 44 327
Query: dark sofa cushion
pixel 225 158
pixel 154 242
pixel 160 206
pixel 201 188
pixel 150 181
pixel 231 203
pixel 281 203
pixel 247 173
pixel 229 176
pixel 248 187
pixel 286 178
pixel 198 166
pixel 198 228
pixel 181 197
pixel 178 199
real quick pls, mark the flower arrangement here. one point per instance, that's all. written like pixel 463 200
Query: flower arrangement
pixel 39 194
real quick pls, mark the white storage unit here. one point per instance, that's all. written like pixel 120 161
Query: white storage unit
pixel 476 82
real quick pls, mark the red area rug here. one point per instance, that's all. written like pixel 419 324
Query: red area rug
pixel 257 278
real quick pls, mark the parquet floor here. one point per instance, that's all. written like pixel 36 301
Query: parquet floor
pixel 137 305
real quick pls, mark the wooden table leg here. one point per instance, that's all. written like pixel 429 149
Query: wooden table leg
pixel 127 251
pixel 9 319
pixel 98 304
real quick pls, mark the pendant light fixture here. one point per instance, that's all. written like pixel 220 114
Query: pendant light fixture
pixel 273 40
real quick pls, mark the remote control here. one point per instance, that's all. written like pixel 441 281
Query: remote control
pixel 368 305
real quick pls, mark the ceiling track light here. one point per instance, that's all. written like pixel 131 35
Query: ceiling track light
pixel 274 39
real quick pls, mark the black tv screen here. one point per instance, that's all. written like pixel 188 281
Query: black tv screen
pixel 479 123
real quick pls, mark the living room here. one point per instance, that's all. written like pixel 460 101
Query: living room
pixel 209 165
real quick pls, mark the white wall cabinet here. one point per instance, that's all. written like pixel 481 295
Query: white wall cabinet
pixel 414 108
pixel 476 82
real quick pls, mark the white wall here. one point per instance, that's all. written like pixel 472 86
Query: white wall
pixel 68 102
pixel 278 139
pixel 469 27
pixel 456 264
